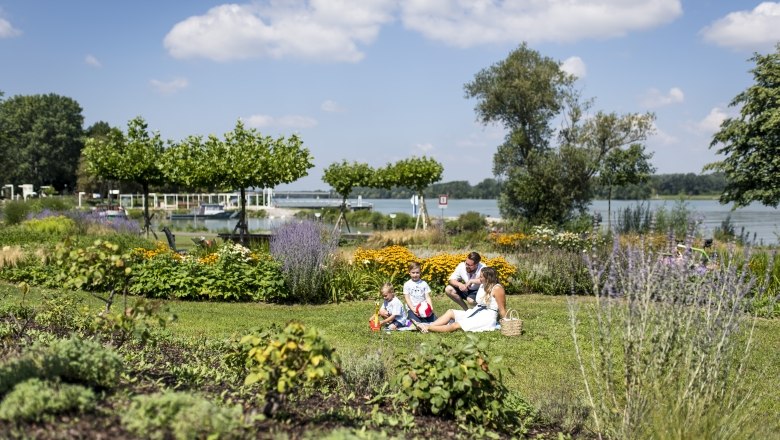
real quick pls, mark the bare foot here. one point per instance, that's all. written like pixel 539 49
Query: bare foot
pixel 423 328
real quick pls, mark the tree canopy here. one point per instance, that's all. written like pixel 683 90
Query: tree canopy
pixel 343 178
pixel 417 173
pixel 243 159
pixel 751 141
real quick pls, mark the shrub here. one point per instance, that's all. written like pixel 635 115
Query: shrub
pixel 456 381
pixel 34 399
pixel 348 281
pixel 391 261
pixel 292 360
pixel 16 212
pixel 681 349
pixel 181 416
pixel 73 360
pixel 48 224
pixel 231 273
pixel 304 248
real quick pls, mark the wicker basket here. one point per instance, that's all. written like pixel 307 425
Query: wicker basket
pixel 511 325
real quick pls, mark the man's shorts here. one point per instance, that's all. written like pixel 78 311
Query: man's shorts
pixel 468 294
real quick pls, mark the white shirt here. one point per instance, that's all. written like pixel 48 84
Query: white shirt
pixel 416 291
pixel 395 307
pixel 462 275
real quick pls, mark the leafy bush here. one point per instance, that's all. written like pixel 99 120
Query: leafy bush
pixel 455 381
pixel 348 281
pixel 680 365
pixel 304 248
pixel 231 273
pixel 99 267
pixel 16 212
pixel 56 225
pixel 73 360
pixel 470 221
pixel 181 416
pixel 34 399
pixel 294 359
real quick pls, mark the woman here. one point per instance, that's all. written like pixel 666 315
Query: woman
pixel 491 303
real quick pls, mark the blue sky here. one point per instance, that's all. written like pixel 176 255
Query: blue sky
pixel 381 80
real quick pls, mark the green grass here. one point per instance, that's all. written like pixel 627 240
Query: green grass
pixel 542 360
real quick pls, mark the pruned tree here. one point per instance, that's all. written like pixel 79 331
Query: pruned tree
pixel 134 157
pixel 343 178
pixel 243 159
pixel 751 141
pixel 416 173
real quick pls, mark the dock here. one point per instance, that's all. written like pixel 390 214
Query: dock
pixel 265 237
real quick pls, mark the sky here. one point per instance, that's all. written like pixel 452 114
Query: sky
pixel 377 81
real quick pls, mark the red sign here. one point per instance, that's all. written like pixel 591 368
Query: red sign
pixel 442 200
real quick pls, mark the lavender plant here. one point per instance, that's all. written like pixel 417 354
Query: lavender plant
pixel 304 248
pixel 669 342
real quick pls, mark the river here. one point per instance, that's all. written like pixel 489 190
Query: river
pixel 756 219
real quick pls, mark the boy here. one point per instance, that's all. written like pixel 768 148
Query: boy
pixel 392 311
pixel 418 293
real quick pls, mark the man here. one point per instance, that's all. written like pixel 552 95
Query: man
pixel 464 281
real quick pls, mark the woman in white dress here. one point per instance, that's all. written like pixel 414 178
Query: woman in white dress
pixel 491 303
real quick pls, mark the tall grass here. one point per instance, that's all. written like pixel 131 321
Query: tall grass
pixel 669 347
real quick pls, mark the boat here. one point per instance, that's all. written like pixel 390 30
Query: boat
pixel 206 211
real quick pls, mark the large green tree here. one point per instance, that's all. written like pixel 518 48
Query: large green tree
pixel 133 157
pixel 243 159
pixel 545 181
pixel 41 137
pixel 343 178
pixel 751 141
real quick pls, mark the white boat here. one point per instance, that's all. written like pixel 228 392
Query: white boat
pixel 206 211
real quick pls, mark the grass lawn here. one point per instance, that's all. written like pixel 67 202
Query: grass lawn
pixel 543 363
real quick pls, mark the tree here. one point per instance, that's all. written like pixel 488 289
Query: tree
pixel 416 173
pixel 343 178
pixel 624 167
pixel 525 93
pixel 41 137
pixel 242 160
pixel 751 142
pixel 135 157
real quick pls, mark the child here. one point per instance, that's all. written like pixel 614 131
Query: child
pixel 417 291
pixel 392 312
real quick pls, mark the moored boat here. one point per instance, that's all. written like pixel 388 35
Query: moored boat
pixel 206 211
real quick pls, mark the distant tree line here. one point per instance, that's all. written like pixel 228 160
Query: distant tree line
pixel 685 184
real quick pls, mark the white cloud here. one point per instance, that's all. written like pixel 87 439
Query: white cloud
pixel 654 98
pixel 711 123
pixel 287 122
pixel 424 148
pixel 7 30
pixel 754 30
pixel 172 86
pixel 326 30
pixel 91 60
pixel 575 66
pixel 331 107
pixel 467 23
pixel 664 138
